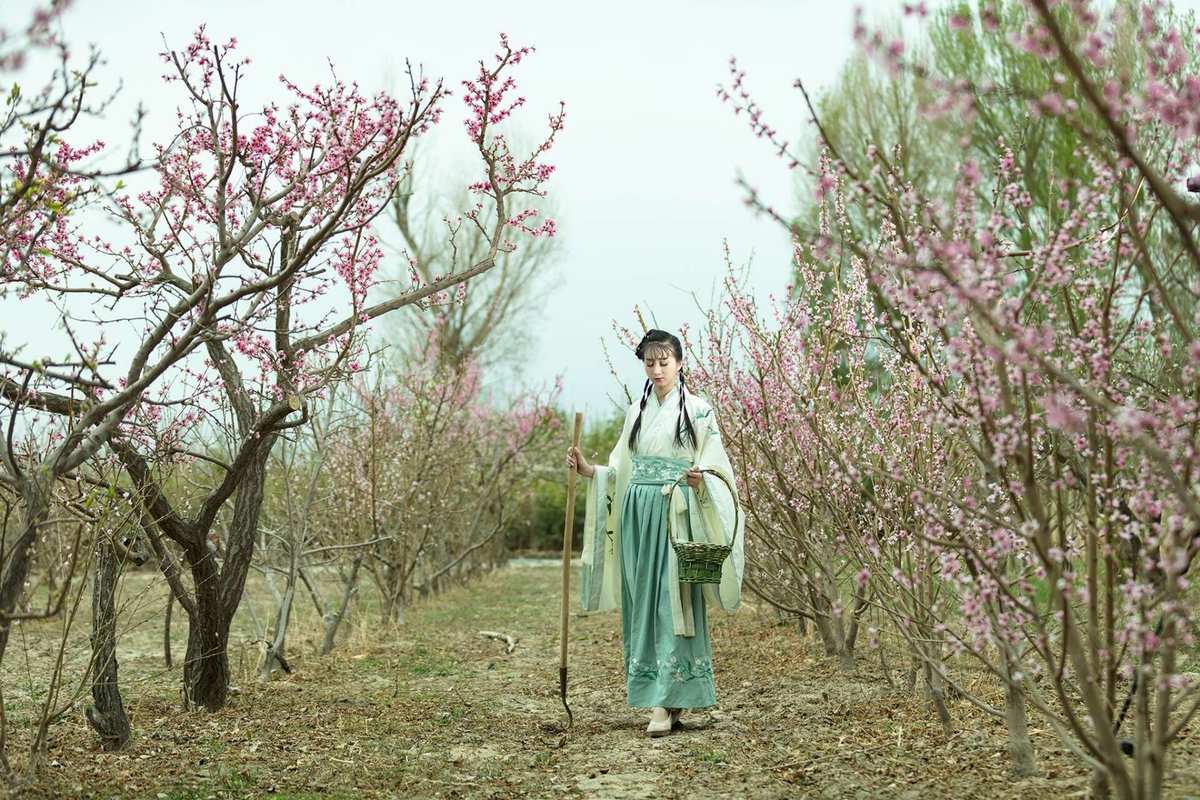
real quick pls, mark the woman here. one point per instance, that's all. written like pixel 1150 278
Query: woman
pixel 627 557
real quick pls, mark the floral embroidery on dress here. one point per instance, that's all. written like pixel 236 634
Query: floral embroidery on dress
pixel 608 531
pixel 678 670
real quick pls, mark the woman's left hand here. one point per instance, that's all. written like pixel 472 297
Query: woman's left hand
pixel 694 478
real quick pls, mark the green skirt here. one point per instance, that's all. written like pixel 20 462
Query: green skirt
pixel 661 669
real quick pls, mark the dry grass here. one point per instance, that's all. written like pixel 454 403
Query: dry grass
pixel 431 709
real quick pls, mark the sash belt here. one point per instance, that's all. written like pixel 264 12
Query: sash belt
pixel 658 469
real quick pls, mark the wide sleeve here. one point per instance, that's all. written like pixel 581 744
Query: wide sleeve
pixel 716 516
pixel 599 526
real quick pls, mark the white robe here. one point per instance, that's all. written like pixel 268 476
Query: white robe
pixel 709 520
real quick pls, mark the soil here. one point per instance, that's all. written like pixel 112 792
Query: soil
pixel 430 708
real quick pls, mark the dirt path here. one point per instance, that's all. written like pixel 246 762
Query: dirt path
pixel 432 709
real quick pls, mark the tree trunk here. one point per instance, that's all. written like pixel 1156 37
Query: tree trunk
pixel 219 591
pixel 393 609
pixel 35 493
pixel 1020 748
pixel 821 621
pixel 206 664
pixel 274 658
pixel 333 621
pixel 884 667
pixel 831 626
pixel 106 714
pixel 167 630
pixel 860 608
pixel 398 612
pixel 914 666
pixel 936 686
pixel 1098 785
pixel 845 640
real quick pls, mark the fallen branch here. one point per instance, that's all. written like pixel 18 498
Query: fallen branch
pixel 511 641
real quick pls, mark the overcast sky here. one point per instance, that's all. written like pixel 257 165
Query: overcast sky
pixel 646 164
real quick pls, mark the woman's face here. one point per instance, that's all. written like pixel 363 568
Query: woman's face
pixel 662 368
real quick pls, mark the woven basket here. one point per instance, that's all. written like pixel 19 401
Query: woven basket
pixel 700 562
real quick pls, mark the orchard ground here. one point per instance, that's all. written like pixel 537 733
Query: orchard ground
pixel 429 708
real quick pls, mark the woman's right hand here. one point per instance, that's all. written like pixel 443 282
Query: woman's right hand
pixel 577 462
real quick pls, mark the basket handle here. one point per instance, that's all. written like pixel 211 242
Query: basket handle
pixel 737 510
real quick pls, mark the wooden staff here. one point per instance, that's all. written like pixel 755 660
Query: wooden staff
pixel 568 532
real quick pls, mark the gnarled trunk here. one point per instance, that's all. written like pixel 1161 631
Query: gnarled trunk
pixel 219 591
pixel 206 664
pixel 206 668
pixel 106 714
pixel 35 493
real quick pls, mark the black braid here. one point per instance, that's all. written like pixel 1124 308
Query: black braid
pixel 683 427
pixel 637 423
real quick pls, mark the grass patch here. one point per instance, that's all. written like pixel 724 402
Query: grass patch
pixel 232 785
pixel 710 756
pixel 422 662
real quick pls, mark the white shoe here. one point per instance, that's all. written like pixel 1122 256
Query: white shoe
pixel 659 727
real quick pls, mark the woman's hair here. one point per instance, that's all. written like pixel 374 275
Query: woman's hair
pixel 653 341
